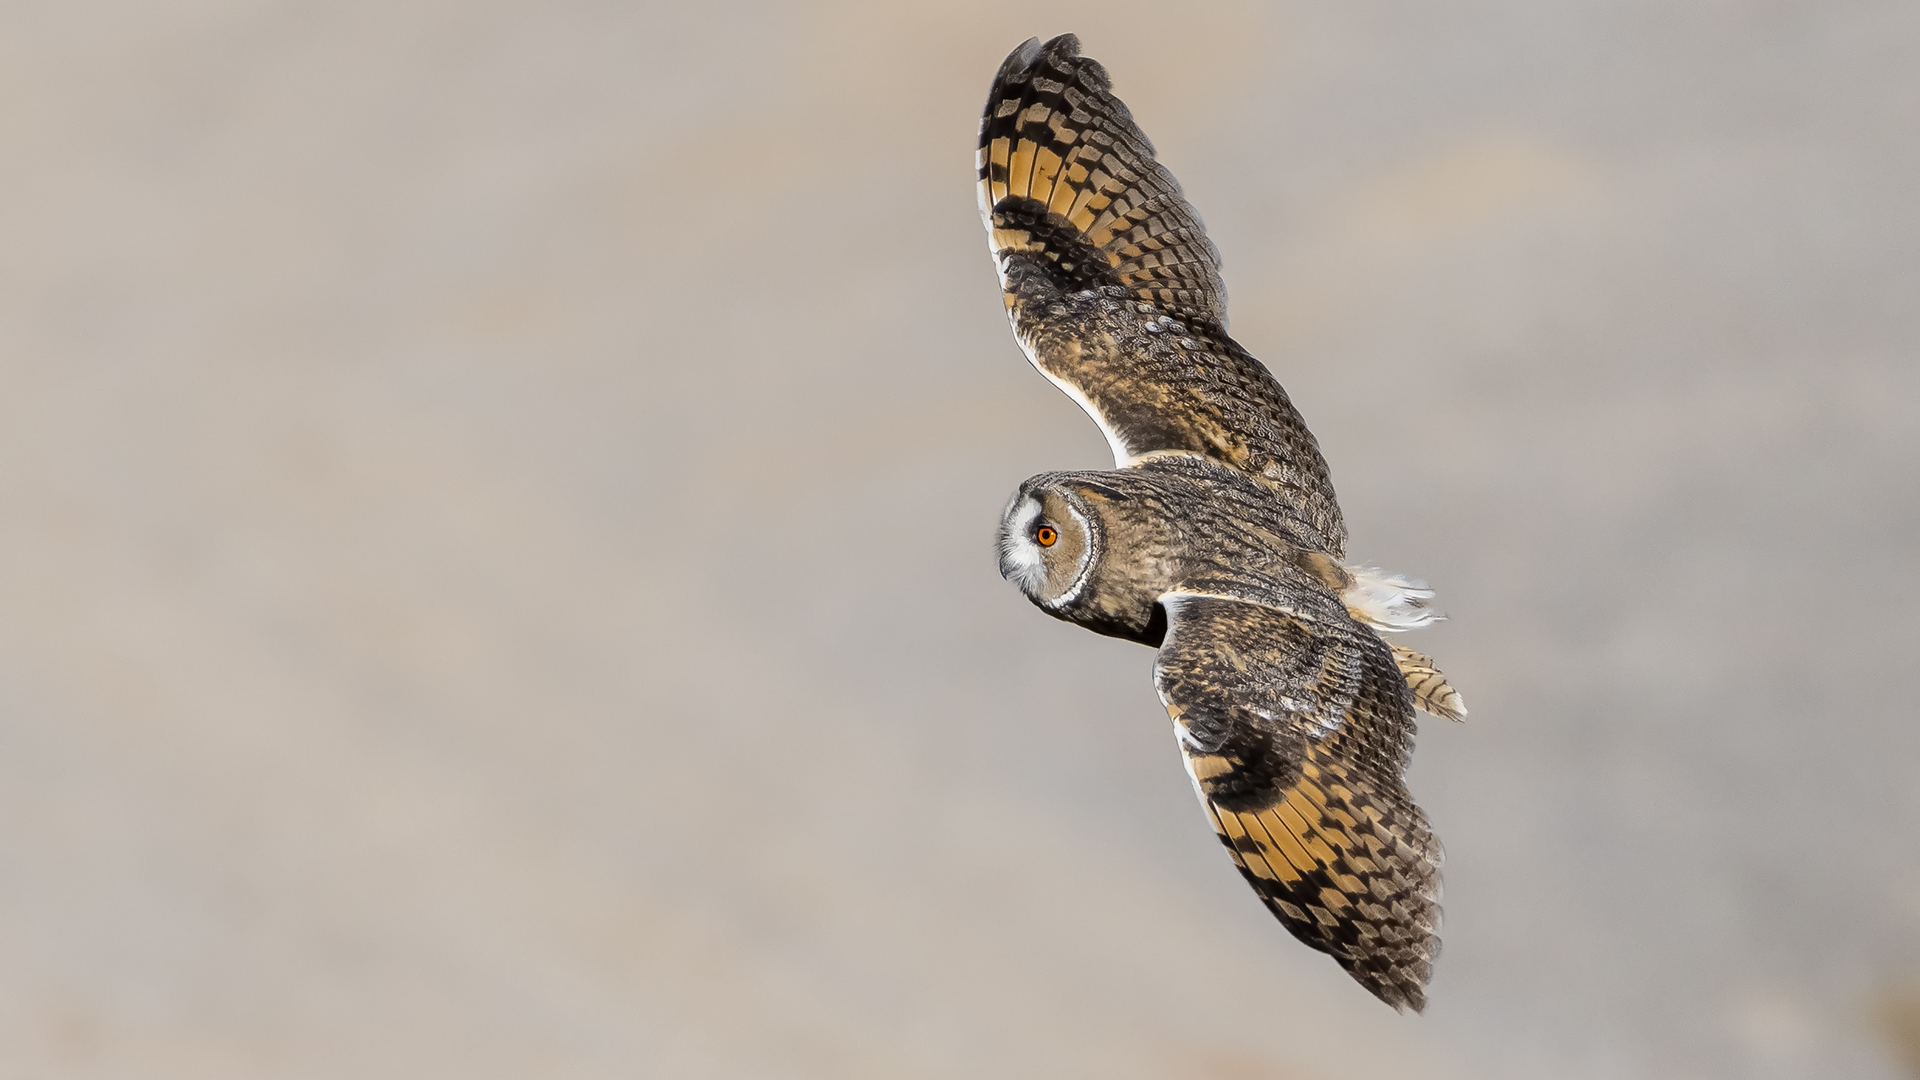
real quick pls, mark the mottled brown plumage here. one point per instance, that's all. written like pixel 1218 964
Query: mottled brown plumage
pixel 1114 289
pixel 1430 690
pixel 1217 538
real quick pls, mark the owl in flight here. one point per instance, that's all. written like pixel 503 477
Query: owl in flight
pixel 1216 538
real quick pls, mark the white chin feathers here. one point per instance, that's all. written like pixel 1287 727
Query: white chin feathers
pixel 1387 601
pixel 1020 560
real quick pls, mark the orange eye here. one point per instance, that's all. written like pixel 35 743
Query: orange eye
pixel 1045 535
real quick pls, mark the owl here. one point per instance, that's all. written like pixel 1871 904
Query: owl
pixel 1216 538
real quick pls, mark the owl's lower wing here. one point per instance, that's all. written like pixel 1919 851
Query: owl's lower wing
pixel 1114 289
pixel 1296 732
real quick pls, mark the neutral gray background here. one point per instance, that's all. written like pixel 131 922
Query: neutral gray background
pixel 496 577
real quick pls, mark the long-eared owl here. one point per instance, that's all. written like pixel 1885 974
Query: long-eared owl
pixel 1216 537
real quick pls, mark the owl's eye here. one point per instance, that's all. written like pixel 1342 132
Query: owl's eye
pixel 1045 535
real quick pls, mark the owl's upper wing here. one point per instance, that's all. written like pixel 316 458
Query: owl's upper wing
pixel 1114 289
pixel 1296 730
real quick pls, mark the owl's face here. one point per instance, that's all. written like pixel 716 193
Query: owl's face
pixel 1048 544
pixel 1085 552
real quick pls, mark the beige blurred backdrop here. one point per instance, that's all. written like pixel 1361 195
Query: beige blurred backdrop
pixel 496 573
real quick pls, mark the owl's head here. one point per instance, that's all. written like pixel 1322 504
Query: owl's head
pixel 1048 543
pixel 1074 549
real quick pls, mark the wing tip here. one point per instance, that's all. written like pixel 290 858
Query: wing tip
pixel 1402 985
pixel 1060 51
pixel 1020 61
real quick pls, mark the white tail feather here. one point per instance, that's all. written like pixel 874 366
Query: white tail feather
pixel 1387 601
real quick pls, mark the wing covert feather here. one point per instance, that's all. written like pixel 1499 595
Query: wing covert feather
pixel 1297 731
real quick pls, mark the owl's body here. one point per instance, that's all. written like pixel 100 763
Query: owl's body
pixel 1217 538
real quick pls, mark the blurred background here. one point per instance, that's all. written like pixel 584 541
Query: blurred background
pixel 496 572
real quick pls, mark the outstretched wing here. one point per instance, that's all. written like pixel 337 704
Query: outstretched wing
pixel 1297 730
pixel 1055 141
pixel 1114 289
